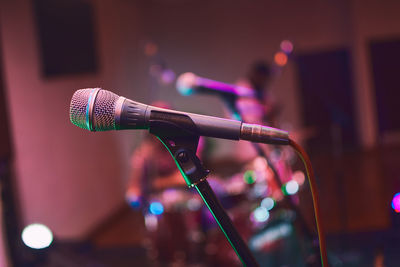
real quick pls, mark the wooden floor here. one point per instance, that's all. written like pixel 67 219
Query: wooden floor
pixel 356 189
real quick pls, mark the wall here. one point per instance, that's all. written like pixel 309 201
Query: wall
pixel 68 178
pixel 220 39
pixel 3 248
pixel 372 20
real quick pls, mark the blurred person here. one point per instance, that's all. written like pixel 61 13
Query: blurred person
pixel 186 230
pixel 265 110
pixel 262 108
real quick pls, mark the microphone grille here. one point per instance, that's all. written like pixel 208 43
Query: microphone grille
pixel 104 111
pixel 103 117
pixel 78 107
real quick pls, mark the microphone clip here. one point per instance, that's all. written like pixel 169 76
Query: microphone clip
pixel 178 134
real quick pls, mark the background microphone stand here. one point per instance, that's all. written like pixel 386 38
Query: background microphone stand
pixel 172 130
pixel 230 102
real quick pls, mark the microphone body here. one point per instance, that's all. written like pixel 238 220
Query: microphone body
pixel 189 83
pixel 95 109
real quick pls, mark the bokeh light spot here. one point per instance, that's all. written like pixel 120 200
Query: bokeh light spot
pixel 37 236
pixel 167 76
pixel 280 59
pixel 194 204
pixel 249 177
pixel 291 187
pixel 396 202
pixel 268 203
pixel 156 208
pixel 299 177
pixel 287 46
pixel 260 214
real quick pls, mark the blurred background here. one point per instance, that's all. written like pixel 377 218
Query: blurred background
pixel 335 68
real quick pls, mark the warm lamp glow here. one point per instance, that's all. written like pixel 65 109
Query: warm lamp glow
pixel 280 59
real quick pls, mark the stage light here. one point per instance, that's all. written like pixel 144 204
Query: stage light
pixel 167 76
pixel 268 203
pixel 299 177
pixel 37 236
pixel 396 202
pixel 280 59
pixel 249 177
pixel 260 164
pixel 260 190
pixel 287 46
pixel 151 222
pixel 270 235
pixel 193 204
pixel 156 208
pixel 260 214
pixel 291 188
pixel 150 49
pixel 133 200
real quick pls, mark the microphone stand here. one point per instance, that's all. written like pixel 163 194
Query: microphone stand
pixel 182 144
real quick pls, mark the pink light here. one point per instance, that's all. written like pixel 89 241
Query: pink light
pixel 287 46
pixel 167 76
pixel 299 177
pixel 396 203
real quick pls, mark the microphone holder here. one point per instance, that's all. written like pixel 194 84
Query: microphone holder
pixel 182 143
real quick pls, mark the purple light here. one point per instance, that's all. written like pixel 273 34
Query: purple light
pixel 167 76
pixel 396 203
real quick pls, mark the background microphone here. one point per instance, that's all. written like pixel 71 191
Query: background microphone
pixel 189 83
pixel 95 109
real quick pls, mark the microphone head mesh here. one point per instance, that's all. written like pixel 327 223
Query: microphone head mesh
pixel 104 111
pixel 78 107
pixel 103 118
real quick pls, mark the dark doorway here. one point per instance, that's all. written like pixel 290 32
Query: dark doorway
pixel 327 99
pixel 385 58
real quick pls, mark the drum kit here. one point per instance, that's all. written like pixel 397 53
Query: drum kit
pixel 181 229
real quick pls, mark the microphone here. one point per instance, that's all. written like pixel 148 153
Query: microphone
pixel 189 83
pixel 96 109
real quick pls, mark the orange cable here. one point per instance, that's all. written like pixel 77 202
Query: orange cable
pixel 313 187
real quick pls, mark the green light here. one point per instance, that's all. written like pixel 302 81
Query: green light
pixel 284 190
pixel 249 177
